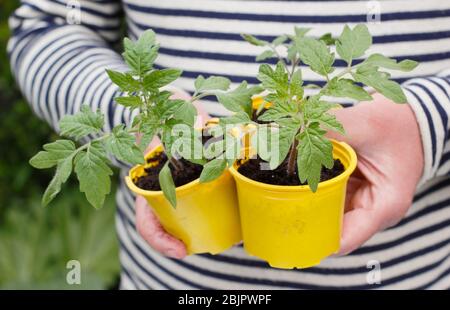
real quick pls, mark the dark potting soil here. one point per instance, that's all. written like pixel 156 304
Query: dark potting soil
pixel 252 170
pixel 150 181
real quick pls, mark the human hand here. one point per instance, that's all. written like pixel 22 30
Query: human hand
pixel 387 141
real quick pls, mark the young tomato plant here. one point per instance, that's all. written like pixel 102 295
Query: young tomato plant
pixel 302 121
pixel 158 115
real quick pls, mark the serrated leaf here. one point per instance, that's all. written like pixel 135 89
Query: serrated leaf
pixel 212 170
pixel 370 76
pixel 295 88
pixel 239 98
pixel 314 151
pixel 211 83
pixel 253 40
pixel 81 124
pixel 141 55
pixel 265 55
pixel 346 88
pixel 167 185
pixel 53 153
pixel 279 111
pixel 93 174
pixel 388 63
pixel 315 54
pixel 185 112
pixel 316 111
pixel 125 81
pixel 63 171
pixel 132 102
pixel 122 145
pixel 353 43
pixel 159 78
pixel 288 129
pixel 276 80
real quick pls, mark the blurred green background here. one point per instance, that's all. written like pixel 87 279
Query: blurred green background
pixel 35 242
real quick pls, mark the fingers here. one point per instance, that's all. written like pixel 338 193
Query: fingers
pixel 361 223
pixel 149 227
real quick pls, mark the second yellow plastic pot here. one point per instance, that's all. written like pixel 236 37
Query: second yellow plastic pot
pixel 290 226
pixel 206 218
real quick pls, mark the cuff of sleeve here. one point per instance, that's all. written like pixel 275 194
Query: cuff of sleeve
pixel 427 98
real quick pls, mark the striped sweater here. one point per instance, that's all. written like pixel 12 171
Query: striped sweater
pixel 59 50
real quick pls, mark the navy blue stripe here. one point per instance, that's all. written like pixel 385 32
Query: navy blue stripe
pixel 439 85
pixel 416 234
pixel 134 280
pixel 442 112
pixel 90 25
pixel 430 123
pixel 432 189
pixel 440 277
pixel 237 37
pixel 357 18
pixel 108 16
pixel 124 248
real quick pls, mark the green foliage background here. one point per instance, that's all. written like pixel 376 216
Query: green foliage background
pixel 35 242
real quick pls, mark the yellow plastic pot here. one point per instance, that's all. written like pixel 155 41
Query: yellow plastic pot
pixel 290 226
pixel 206 218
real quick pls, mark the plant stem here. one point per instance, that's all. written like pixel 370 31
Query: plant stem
pixel 292 158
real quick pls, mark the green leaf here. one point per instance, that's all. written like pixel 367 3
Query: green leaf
pixel 296 88
pixel 328 39
pixel 346 88
pixel 254 41
pixel 280 40
pixel 185 112
pixel 122 145
pixel 316 54
pixel 353 43
pixel 211 83
pixel 278 111
pixel 167 185
pixel 141 55
pixel 132 102
pixel 93 173
pixel 300 32
pixel 63 171
pixel 212 170
pixel 53 153
pixel 159 78
pixel 370 76
pixel 81 124
pixel 274 79
pixel 288 128
pixel 125 81
pixel 265 55
pixel 239 98
pixel 388 63
pixel 237 118
pixel 314 151
pixel 315 111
